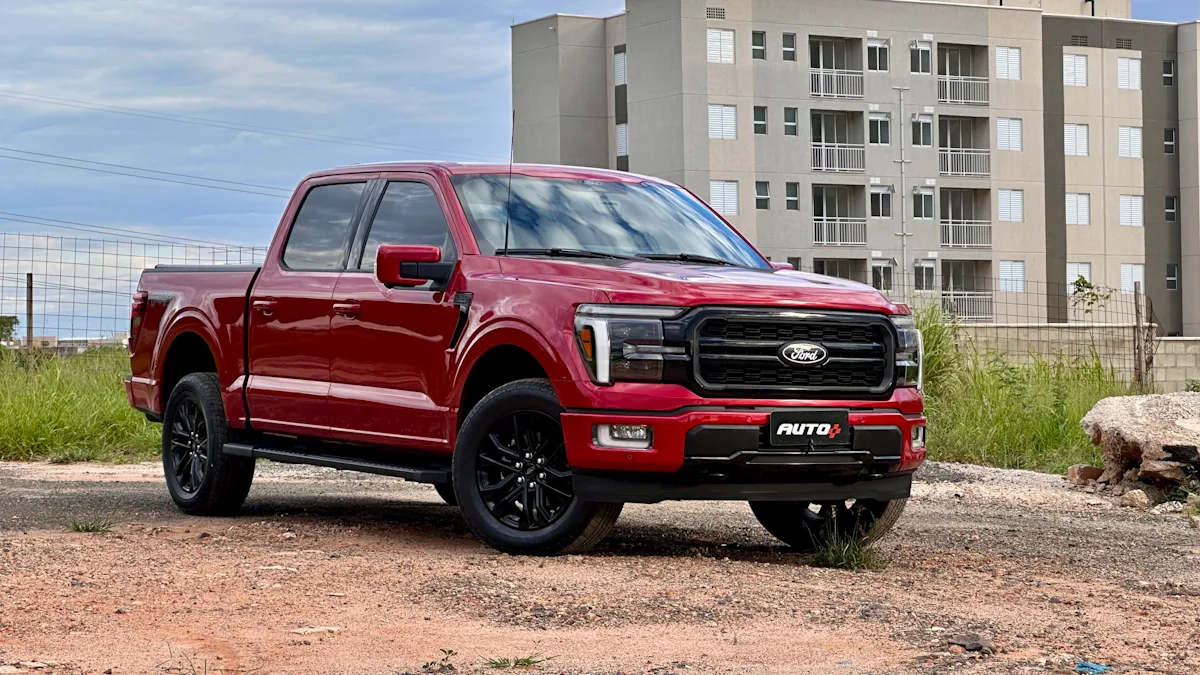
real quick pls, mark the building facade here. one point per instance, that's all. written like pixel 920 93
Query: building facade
pixel 968 151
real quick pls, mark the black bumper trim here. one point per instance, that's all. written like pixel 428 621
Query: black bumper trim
pixel 649 489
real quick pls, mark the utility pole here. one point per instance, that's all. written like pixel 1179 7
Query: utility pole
pixel 29 312
pixel 904 234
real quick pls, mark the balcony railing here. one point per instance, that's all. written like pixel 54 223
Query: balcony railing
pixel 838 157
pixel 966 234
pixel 968 305
pixel 830 83
pixel 962 90
pixel 965 162
pixel 839 231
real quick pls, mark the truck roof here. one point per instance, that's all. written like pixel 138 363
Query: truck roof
pixel 459 168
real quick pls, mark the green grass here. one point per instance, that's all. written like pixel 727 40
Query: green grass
pixel 531 661
pixel 987 409
pixel 98 524
pixel 71 409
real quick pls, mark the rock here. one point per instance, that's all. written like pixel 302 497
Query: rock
pixel 1158 471
pixel 1136 499
pixel 972 642
pixel 1167 507
pixel 309 630
pixel 1157 436
pixel 31 665
pixel 9 670
pixel 1080 474
pixel 1194 521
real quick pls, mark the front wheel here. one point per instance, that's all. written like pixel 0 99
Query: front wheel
pixel 512 479
pixel 807 526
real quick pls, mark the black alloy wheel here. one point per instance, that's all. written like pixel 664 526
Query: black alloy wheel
pixel 189 445
pixel 522 471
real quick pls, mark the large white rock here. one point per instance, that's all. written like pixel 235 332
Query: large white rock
pixel 1157 435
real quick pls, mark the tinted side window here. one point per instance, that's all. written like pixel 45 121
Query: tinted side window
pixel 322 226
pixel 409 214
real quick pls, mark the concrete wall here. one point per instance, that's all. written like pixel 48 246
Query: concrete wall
pixel 1176 362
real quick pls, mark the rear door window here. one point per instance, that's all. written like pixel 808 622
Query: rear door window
pixel 321 234
pixel 408 214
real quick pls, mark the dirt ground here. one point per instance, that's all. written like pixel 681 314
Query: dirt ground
pixel 1050 575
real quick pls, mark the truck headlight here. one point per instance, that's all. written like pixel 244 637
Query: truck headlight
pixel 909 369
pixel 624 343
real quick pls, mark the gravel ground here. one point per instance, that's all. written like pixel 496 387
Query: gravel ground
pixel 1015 557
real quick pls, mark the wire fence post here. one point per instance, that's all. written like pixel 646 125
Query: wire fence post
pixel 1138 362
pixel 29 312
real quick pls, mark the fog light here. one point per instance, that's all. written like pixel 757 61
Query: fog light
pixel 918 437
pixel 633 436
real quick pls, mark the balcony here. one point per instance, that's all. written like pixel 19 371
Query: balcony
pixel 966 234
pixel 839 231
pixel 965 162
pixel 968 305
pixel 830 83
pixel 962 90
pixel 839 157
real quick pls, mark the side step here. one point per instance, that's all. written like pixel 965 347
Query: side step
pixel 415 474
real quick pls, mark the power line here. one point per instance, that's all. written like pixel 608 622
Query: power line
pixel 134 175
pixel 138 168
pixel 218 124
pixel 104 229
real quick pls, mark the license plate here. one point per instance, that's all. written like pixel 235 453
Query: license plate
pixel 810 428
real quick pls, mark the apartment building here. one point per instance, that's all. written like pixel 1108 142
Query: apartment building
pixel 968 151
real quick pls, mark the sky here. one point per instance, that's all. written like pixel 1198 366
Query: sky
pixel 428 79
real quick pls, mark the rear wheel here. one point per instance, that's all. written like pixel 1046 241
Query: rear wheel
pixel 201 478
pixel 806 526
pixel 513 481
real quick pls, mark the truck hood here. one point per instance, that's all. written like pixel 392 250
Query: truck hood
pixel 686 285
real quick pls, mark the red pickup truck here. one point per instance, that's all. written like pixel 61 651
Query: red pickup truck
pixel 541 343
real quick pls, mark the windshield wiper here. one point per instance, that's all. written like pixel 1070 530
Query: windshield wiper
pixel 563 253
pixel 687 257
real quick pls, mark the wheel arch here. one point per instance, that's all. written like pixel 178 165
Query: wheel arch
pixel 505 353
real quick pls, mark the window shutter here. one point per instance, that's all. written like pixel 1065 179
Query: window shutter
pixel 1135 141
pixel 731 197
pixel 1072 214
pixel 1085 210
pixel 1081 71
pixel 723 197
pixel 714 45
pixel 622 140
pixel 1012 276
pixel 1126 210
pixel 622 74
pixel 1076 270
pixel 1069 70
pixel 1014 63
pixel 1081 140
pixel 1135 73
pixel 1015 134
pixel 1069 136
pixel 1123 141
pixel 1122 73
pixel 726 46
pixel 1005 207
pixel 1002 134
pixel 1002 63
pixel 729 122
pixel 1126 277
pixel 1138 210
pixel 714 121
pixel 1017 206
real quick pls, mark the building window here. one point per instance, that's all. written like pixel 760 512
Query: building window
pixel 1009 131
pixel 1132 273
pixel 791 124
pixel 1075 70
pixel 723 197
pixel 923 203
pixel 1075 140
pixel 1079 208
pixel 760 119
pixel 758 45
pixel 1077 271
pixel 877 56
pixel 1169 137
pixel 1008 63
pixel 1129 142
pixel 622 140
pixel 722 122
pixel 881 201
pixel 762 195
pixel 1012 206
pixel 1172 209
pixel 720 45
pixel 621 68
pixel 1129 73
pixel 1168 73
pixel 1012 276
pixel 794 262
pixel 923 276
pixel 792 200
pixel 1132 211
pixel 922 131
pixel 880 129
pixel 921 57
pixel 881 274
pixel 789 46
pixel 840 268
pixel 1172 276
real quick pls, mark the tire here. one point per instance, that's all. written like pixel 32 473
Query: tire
pixel 511 500
pixel 807 526
pixel 446 492
pixel 202 479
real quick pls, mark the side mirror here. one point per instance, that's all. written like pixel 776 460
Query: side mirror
pixel 782 266
pixel 397 265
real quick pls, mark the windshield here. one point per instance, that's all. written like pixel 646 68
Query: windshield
pixel 603 217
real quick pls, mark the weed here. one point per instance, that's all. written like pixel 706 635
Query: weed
pixel 531 661
pixel 442 665
pixel 97 524
pixel 845 551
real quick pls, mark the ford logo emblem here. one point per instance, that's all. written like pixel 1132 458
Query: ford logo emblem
pixel 803 354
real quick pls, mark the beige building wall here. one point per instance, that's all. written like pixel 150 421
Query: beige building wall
pixel 1189 172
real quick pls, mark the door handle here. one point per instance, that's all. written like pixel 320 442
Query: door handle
pixel 267 307
pixel 348 309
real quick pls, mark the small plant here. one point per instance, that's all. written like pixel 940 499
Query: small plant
pixel 531 661
pixel 1089 296
pixel 1193 386
pixel 97 524
pixel 844 551
pixel 442 665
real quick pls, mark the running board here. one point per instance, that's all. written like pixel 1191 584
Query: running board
pixel 415 474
